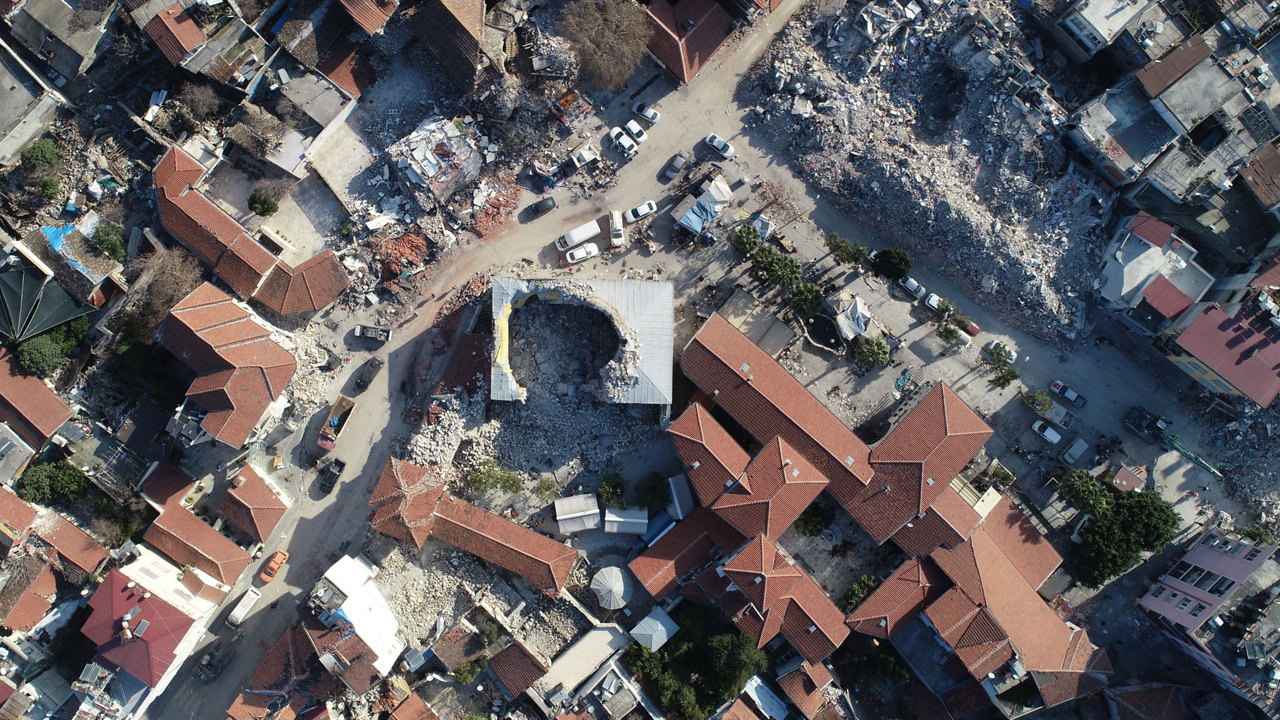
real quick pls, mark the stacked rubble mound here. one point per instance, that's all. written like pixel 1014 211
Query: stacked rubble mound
pixel 934 127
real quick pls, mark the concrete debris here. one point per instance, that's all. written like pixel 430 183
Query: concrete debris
pixel 442 156
pixel 933 116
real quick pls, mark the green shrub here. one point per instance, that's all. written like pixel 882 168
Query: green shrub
pixel 894 263
pixel 612 491
pixel 48 188
pixel 745 239
pixel 55 480
pixel 653 492
pixel 492 477
pixel 816 518
pixel 547 489
pixel 262 204
pixel 42 154
pixel 1258 534
pixel 858 591
pixel 109 238
pixel 871 352
pixel 1001 476
pixel 470 670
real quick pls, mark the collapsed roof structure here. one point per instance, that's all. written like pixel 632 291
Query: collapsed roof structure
pixel 642 313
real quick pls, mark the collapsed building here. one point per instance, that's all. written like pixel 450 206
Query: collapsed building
pixel 441 156
pixel 641 312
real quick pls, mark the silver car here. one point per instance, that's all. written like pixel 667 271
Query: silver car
pixel 585 252
pixel 910 285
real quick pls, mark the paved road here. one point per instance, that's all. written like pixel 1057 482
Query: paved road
pixel 316 526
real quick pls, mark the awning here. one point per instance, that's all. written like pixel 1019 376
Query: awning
pixel 655 630
pixel 612 587
pixel 854 320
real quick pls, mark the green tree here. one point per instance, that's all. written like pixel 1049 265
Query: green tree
pixel 1149 518
pixel 58 479
pixel 735 658
pixel 1258 534
pixel 41 355
pixel 652 492
pixel 491 476
pixel 777 269
pixel 48 187
pixel 109 238
pixel 1004 377
pixel 490 632
pixel 1085 492
pixel 470 670
pixel 745 239
pixel 261 203
pixel 547 489
pixel 612 492
pixel 816 518
pixel 41 154
pixel 948 332
pixel 893 263
pixel 859 590
pixel 806 298
pixel 1137 522
pixel 871 352
pixel 945 310
pixel 1037 400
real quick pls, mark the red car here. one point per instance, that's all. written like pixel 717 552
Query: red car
pixel 272 568
pixel 973 328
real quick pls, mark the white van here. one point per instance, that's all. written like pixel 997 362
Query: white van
pixel 244 607
pixel 578 235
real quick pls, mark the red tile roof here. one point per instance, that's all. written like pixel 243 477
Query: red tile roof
pixel 775 488
pixel 73 545
pixel 200 224
pixel 404 501
pixel 790 602
pixel 175 33
pixel 1268 275
pixel 146 656
pixel 971 631
pixel 1157 76
pixel 917 461
pixel 290 671
pixel 1153 701
pixel 1165 297
pixel 244 265
pixel 804 686
pixel 1149 228
pixel 29 599
pixel 1262 175
pixel 15 514
pixel 27 404
pixel 686 547
pixel 516 668
pixel 347 67
pixel 537 558
pixel 167 484
pixel 251 506
pixel 1125 480
pixel 344 653
pixel 1028 550
pixel 687 34
pixel 458 647
pixel 704 443
pixel 898 599
pixel 414 708
pixel 410 504
pixel 767 401
pixel 1057 688
pixel 370 15
pixel 948 522
pixel 314 285
pixel 740 710
pixel 1244 350
pixel 242 370
pixel 187 540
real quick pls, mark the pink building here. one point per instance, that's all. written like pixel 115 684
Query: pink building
pixel 1214 565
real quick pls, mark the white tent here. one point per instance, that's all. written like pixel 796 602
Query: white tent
pixel 854 320
pixel 655 629
pixel 578 512
pixel 612 588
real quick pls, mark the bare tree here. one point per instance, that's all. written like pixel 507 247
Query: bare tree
pixel 276 188
pixel 165 277
pixel 107 531
pixel 126 46
pixel 201 100
pixel 609 37
pixel 780 199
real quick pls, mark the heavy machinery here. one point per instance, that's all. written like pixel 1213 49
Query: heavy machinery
pixel 1156 430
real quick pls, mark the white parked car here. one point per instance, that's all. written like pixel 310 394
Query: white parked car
pixel 584 252
pixel 617 235
pixel 932 301
pixel 625 144
pixel 635 131
pixel 1000 351
pixel 1046 431
pixel 910 285
pixel 642 210
pixel 646 112
pixel 720 145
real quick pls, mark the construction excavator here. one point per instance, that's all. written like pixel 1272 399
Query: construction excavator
pixel 1155 429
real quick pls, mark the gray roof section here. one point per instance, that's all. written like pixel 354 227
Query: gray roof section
pixel 642 311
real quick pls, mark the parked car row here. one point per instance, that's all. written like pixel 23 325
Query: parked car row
pixel 574 243
pixel 931 300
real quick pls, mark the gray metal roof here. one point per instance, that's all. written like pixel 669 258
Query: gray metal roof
pixel 642 311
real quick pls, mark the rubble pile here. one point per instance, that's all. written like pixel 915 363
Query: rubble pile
pixel 936 118
pixel 494 200
pixel 400 252
pixel 1244 450
pixel 437 442
pixel 318 366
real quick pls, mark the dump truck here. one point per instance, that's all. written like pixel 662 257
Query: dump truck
pixel 337 420
pixel 1058 415
pixel 374 332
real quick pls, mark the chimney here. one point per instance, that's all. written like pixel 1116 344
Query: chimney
pixel 695 465
pixel 131 584
pixel 885 489
pixel 237 481
pixel 715 393
pixel 786 462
